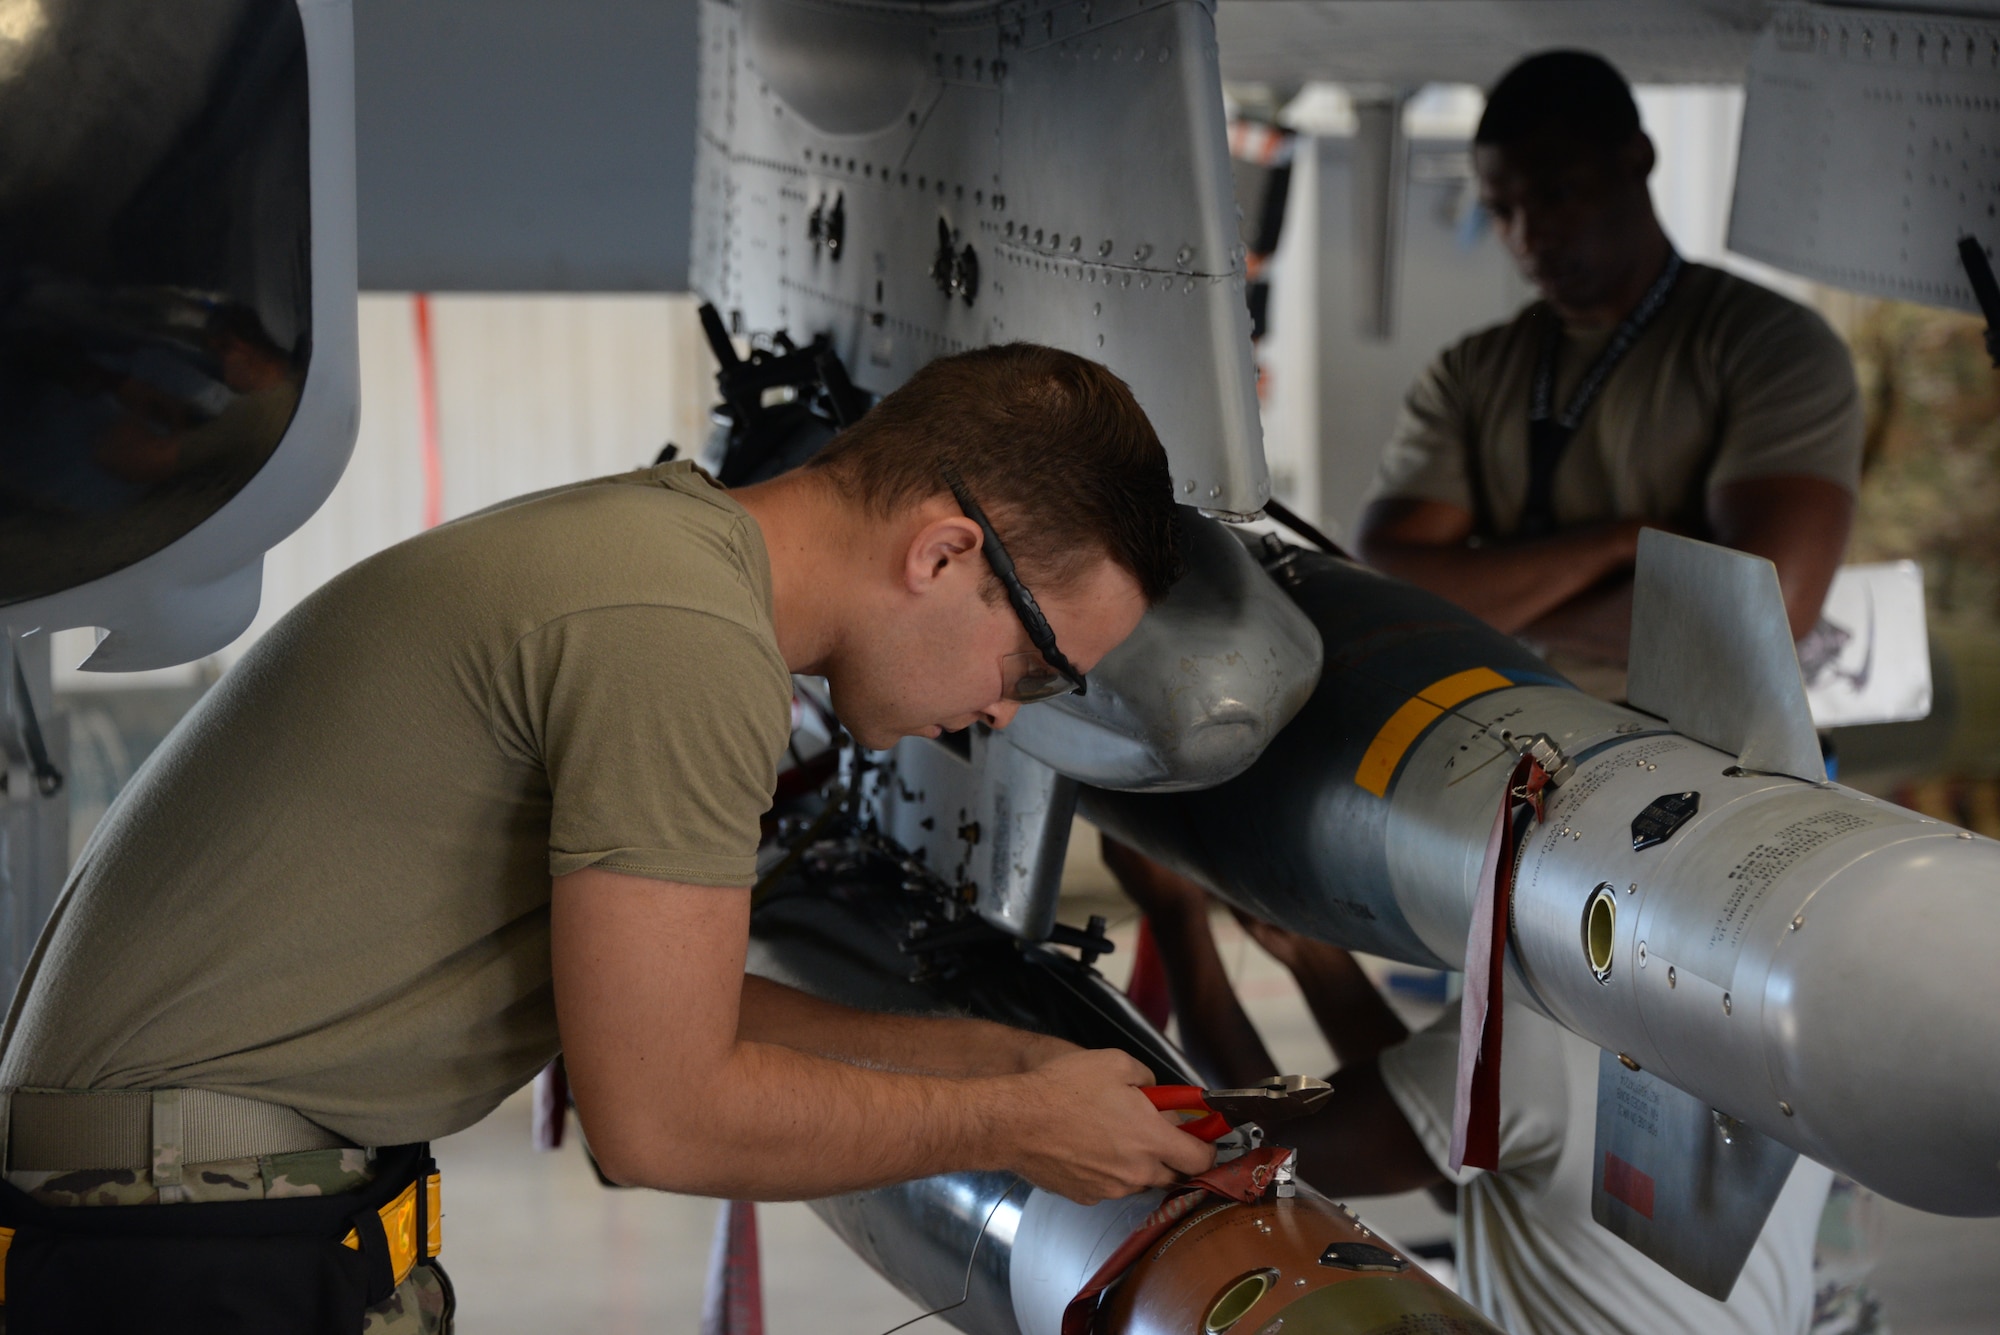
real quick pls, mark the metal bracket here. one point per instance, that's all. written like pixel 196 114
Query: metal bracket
pixel 984 817
pixel 24 740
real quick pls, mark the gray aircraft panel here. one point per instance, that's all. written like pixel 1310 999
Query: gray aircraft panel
pixel 520 145
pixel 1413 42
pixel 1047 173
pixel 1868 150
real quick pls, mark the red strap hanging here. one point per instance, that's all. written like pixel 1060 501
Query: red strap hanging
pixel 1147 990
pixel 1475 1114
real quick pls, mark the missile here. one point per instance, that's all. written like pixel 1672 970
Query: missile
pixel 854 921
pixel 1787 956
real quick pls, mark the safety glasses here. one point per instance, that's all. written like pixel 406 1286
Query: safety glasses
pixel 1027 677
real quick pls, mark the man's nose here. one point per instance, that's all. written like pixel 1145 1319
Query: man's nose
pixel 1000 713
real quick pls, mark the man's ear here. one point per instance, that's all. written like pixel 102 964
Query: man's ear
pixel 1639 155
pixel 935 546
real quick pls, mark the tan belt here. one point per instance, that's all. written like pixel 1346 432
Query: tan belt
pixel 150 1130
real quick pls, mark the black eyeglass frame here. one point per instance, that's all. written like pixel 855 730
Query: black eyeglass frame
pixel 1040 633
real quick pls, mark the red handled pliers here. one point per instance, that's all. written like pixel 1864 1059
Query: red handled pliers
pixel 1278 1099
pixel 1189 1098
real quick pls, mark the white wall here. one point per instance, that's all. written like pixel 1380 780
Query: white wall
pixel 532 392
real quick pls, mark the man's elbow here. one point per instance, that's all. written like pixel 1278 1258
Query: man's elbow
pixel 1393 555
pixel 660 1166
pixel 631 1154
pixel 625 1160
pixel 1374 550
pixel 1410 538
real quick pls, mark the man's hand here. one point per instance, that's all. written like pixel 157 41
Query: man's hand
pixel 1299 954
pixel 1215 1032
pixel 1103 1138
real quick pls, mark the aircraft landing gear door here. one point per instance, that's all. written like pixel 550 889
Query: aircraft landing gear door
pixel 177 309
pixel 178 384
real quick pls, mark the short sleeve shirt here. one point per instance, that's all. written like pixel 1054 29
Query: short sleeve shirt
pixel 1730 382
pixel 1530 1255
pixel 329 888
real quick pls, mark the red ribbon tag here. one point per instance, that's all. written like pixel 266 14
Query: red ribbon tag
pixel 1475 1112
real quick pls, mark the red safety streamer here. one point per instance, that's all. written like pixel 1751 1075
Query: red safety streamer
pixel 427 414
pixel 1245 1179
pixel 734 1303
pixel 1148 989
pixel 1475 1113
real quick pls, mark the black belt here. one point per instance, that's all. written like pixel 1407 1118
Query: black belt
pixel 304 1265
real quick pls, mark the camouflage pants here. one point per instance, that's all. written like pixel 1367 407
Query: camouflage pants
pixel 421 1304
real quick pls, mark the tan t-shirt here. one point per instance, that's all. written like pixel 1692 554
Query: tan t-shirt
pixel 329 888
pixel 1730 382
pixel 1529 1254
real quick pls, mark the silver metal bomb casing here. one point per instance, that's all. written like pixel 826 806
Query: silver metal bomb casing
pixel 951 1243
pixel 1365 821
pixel 1807 959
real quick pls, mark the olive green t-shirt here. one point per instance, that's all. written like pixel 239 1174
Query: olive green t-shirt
pixel 329 888
pixel 1731 381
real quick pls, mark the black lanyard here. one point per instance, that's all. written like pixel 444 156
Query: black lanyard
pixel 1549 436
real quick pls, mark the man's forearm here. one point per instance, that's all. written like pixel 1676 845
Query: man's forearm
pixel 774 1013
pixel 1361 1144
pixel 649 991
pixel 781 1124
pixel 1357 1022
pixel 1596 624
pixel 1509 585
pixel 1215 1033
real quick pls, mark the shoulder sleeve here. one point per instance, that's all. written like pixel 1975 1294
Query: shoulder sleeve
pixel 1790 405
pixel 1421 1074
pixel 1425 458
pixel 660 731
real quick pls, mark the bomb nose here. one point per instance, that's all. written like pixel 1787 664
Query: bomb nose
pixel 1881 1005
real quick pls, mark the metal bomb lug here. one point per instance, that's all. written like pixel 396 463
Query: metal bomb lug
pixel 1003 1258
pixel 1804 958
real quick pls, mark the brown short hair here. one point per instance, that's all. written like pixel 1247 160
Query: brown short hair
pixel 1051 445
